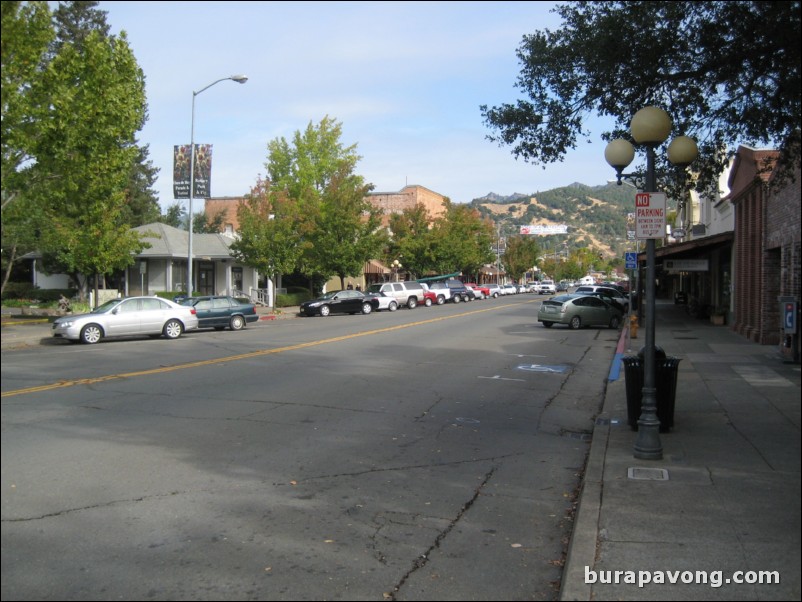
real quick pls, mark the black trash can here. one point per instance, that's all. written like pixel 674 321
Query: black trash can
pixel 666 370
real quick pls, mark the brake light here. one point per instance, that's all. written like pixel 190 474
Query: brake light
pixel 193 312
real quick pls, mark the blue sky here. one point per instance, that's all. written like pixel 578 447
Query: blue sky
pixel 405 79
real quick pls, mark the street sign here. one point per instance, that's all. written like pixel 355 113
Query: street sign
pixel 632 261
pixel 650 215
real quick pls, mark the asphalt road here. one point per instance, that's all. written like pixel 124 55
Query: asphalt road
pixel 428 454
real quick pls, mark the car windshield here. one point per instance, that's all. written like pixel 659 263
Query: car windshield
pixel 106 307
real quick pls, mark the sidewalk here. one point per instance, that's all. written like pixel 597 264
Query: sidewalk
pixel 731 501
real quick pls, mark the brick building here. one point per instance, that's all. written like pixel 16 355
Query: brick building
pixel 408 197
pixel 767 245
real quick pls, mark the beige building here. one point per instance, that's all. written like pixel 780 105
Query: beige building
pixel 408 197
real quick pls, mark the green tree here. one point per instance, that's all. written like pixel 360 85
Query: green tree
pixel 272 231
pixel 141 200
pixel 175 216
pixel 412 241
pixel 347 232
pixel 27 34
pixel 71 157
pixel 520 256
pixel 463 240
pixel 318 172
pixel 210 224
pixel 722 85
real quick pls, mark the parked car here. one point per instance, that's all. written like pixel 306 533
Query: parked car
pixel 385 301
pixel 509 289
pixel 340 302
pixel 480 290
pixel 219 312
pixel 577 311
pixel 494 290
pixel 609 292
pixel 128 316
pixel 562 286
pixel 547 287
pixel 452 290
pixel 408 293
pixel 430 297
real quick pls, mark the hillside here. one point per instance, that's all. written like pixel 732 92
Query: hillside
pixel 596 216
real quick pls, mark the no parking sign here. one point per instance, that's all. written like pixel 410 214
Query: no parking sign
pixel 650 215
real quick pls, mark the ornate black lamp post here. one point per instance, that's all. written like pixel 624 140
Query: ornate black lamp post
pixel 650 127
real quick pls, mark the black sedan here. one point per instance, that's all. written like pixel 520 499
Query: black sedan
pixel 340 302
pixel 221 312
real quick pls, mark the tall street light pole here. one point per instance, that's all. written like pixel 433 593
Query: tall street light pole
pixel 650 127
pixel 240 79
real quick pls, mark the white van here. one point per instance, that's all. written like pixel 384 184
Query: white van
pixel 587 281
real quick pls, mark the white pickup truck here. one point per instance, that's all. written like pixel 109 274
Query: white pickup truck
pixel 547 287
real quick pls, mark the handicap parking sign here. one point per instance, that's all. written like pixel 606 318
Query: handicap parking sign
pixel 632 261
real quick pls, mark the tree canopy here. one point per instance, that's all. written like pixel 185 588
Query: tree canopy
pixel 74 97
pixel 728 73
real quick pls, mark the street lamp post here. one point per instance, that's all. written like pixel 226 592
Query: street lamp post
pixel 240 79
pixel 650 127
pixel 396 265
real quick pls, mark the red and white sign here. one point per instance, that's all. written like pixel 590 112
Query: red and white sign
pixel 650 215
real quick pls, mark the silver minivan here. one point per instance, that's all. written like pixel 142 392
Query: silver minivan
pixel 406 293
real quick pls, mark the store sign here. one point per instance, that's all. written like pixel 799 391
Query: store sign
pixel 686 265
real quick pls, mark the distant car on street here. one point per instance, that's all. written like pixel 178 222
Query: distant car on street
pixel 481 291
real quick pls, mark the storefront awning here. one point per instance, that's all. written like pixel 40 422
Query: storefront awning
pixel 376 267
pixel 692 248
pixel 440 277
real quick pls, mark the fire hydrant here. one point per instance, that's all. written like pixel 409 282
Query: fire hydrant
pixel 633 326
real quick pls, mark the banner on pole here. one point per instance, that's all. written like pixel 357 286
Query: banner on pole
pixel 203 171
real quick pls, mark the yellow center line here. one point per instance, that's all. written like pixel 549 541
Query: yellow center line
pixel 235 358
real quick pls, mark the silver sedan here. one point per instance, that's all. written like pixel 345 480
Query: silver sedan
pixel 130 316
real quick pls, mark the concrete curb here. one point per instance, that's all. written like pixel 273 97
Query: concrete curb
pixel 585 535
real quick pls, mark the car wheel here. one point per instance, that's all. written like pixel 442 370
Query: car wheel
pixel 173 329
pixel 366 308
pixel 576 323
pixel 324 310
pixel 91 334
pixel 548 324
pixel 457 298
pixel 427 302
pixel 393 306
pixel 412 303
pixel 495 295
pixel 237 323
pixel 615 322
pixel 440 299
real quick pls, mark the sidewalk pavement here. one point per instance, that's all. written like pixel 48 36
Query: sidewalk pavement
pixel 729 508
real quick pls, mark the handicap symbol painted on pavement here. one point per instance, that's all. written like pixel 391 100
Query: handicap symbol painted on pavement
pixel 542 368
